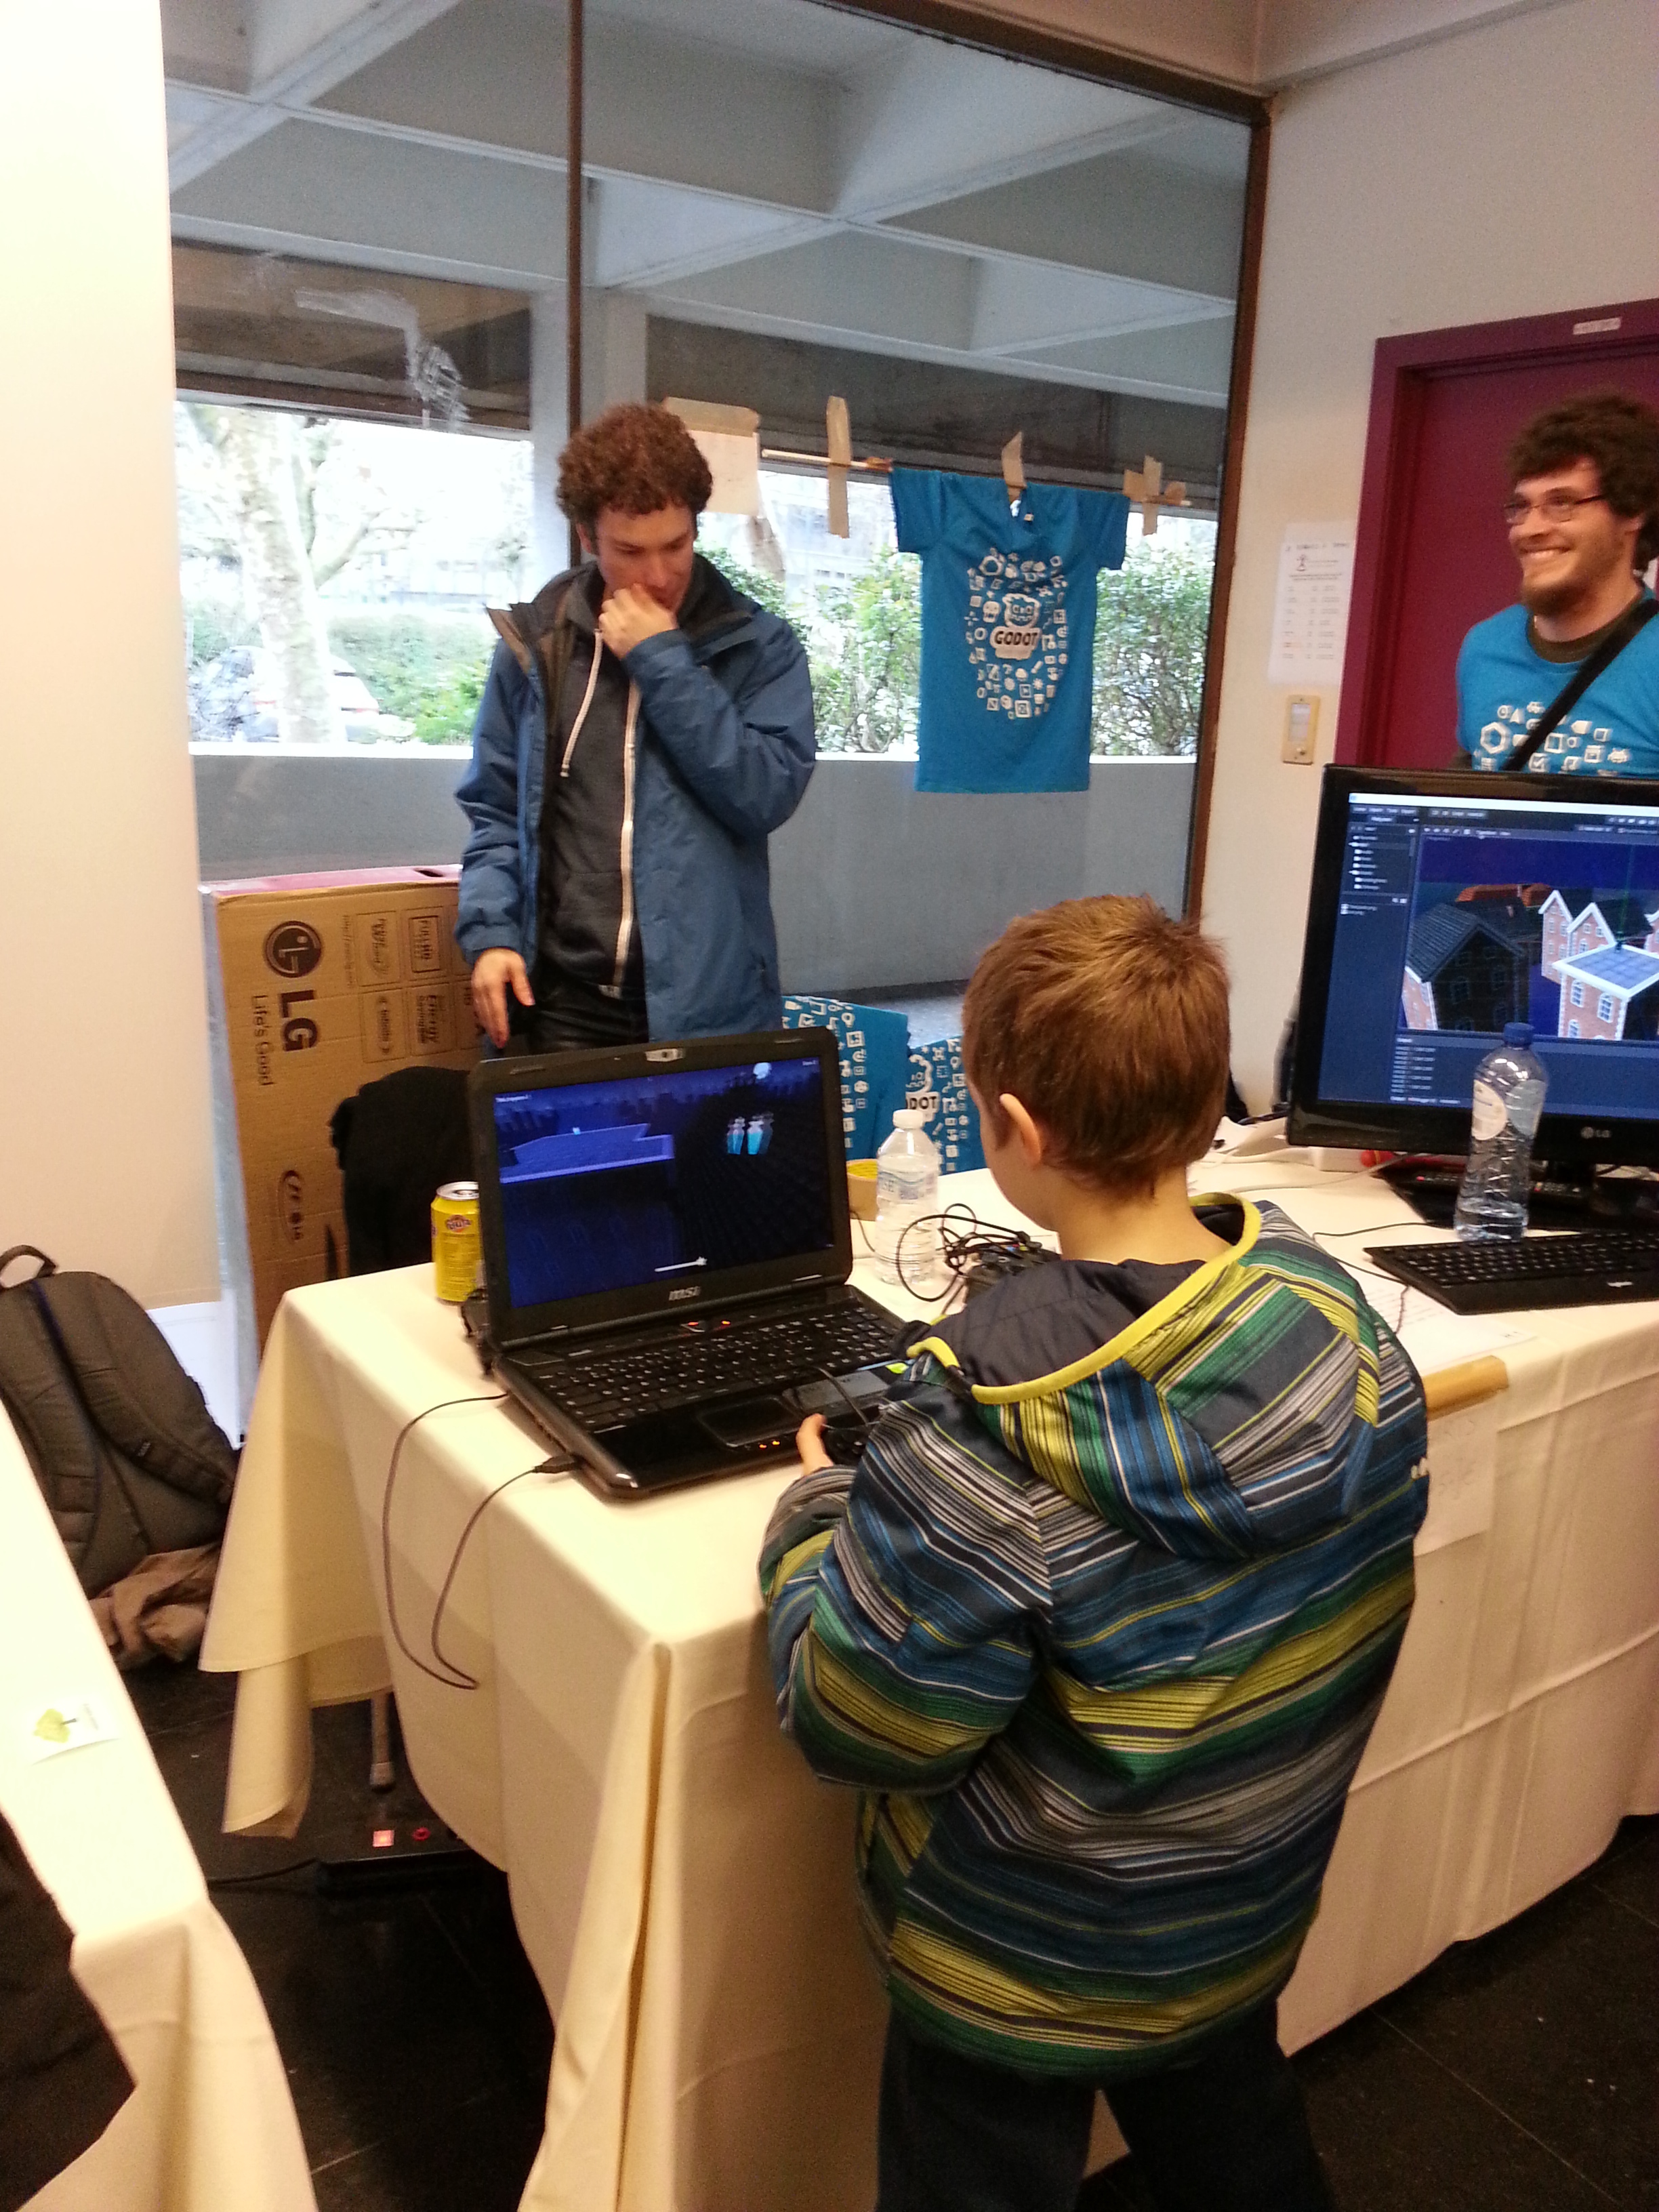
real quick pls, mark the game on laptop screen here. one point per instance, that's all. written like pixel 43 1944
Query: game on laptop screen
pixel 1456 916
pixel 662 1176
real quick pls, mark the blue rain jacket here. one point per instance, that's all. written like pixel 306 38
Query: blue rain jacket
pixel 726 714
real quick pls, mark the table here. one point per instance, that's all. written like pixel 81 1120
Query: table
pixel 684 1887
pixel 210 2126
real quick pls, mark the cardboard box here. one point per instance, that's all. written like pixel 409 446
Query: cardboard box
pixel 316 985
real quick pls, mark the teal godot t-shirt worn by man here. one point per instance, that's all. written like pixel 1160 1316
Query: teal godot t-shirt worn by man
pixel 1008 599
pixel 1504 686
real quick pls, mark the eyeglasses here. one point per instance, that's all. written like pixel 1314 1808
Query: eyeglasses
pixel 1554 507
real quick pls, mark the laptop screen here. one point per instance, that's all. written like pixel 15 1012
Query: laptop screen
pixel 662 1178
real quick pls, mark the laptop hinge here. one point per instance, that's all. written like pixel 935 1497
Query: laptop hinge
pixel 674 1314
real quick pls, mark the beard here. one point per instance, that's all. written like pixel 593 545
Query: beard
pixel 1539 598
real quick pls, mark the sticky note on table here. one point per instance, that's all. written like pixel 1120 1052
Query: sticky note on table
pixel 1462 1476
pixel 66 1723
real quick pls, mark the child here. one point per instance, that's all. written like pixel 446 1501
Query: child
pixel 1103 1618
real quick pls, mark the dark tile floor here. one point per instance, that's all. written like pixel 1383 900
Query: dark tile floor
pixel 1519 2073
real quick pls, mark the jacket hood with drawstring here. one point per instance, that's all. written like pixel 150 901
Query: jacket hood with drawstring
pixel 1101 1624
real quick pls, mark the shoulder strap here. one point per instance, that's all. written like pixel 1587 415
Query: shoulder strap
pixel 135 1393
pixel 71 1461
pixel 1634 620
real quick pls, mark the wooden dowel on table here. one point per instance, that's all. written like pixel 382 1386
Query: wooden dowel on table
pixel 1451 1389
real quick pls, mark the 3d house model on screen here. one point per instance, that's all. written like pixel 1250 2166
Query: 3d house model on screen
pixel 1575 961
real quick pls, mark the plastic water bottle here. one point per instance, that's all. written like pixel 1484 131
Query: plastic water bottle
pixel 907 1188
pixel 1508 1097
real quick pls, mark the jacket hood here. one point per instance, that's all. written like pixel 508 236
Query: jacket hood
pixel 1235 1415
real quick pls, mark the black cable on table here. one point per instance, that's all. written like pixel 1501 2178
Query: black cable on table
pixel 457 1678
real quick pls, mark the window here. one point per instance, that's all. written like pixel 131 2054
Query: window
pixel 1573 1030
pixel 1578 994
pixel 789 201
pixel 1604 1006
pixel 336 573
pixel 856 603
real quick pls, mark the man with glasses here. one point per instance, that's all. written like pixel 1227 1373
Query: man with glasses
pixel 1584 523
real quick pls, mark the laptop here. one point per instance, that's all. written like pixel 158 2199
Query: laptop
pixel 666 1250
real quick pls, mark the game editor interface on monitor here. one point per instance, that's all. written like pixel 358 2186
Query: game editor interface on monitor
pixel 661 1178
pixel 1458 915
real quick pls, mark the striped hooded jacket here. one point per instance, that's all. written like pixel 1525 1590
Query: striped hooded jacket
pixel 1102 1649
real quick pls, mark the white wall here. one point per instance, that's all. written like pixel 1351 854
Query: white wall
pixel 1513 170
pixel 876 884
pixel 105 1156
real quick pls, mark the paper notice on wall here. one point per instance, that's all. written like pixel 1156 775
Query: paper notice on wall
pixel 734 462
pixel 728 438
pixel 1310 607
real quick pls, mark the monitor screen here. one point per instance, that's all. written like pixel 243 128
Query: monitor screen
pixel 666 1178
pixel 1441 909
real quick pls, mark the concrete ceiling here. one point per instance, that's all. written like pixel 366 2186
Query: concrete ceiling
pixel 780 167
pixel 771 166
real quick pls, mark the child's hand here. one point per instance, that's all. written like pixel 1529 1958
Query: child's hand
pixel 808 1443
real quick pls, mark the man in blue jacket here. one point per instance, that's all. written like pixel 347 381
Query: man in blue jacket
pixel 644 729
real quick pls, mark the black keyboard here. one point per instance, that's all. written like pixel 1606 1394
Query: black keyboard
pixel 607 1385
pixel 1584 1267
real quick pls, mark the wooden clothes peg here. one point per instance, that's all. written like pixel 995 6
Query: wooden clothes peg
pixel 837 462
pixel 838 438
pixel 1146 486
pixel 1013 467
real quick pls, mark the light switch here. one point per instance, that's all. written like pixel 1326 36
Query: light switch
pixel 1300 725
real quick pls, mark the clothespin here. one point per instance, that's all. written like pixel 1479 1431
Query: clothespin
pixel 838 436
pixel 1013 467
pixel 1145 486
pixel 836 463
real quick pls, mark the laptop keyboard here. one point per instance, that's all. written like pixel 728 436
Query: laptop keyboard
pixel 606 1386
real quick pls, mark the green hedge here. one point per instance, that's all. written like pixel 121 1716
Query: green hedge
pixel 429 668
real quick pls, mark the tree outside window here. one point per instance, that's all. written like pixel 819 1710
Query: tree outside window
pixel 335 575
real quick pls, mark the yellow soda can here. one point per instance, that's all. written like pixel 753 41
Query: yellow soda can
pixel 455 1260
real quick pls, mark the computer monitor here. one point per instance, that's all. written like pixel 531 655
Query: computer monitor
pixel 1444 907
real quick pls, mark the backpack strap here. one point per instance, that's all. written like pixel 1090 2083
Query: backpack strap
pixel 1630 624
pixel 136 1394
pixel 72 1465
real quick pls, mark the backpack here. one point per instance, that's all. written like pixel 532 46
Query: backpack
pixel 127 1456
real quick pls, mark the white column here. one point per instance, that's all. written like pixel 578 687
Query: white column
pixel 613 350
pixel 613 369
pixel 106 1159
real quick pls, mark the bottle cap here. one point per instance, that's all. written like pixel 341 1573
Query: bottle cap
pixel 912 1117
pixel 1517 1032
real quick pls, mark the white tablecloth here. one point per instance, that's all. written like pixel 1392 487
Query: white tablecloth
pixel 683 1887
pixel 210 2126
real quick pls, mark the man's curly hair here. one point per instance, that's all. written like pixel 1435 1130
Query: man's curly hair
pixel 633 458
pixel 1619 436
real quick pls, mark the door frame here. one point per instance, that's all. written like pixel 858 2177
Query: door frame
pixel 1404 367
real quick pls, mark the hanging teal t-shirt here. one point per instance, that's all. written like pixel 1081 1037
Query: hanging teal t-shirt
pixel 1007 626
pixel 1503 687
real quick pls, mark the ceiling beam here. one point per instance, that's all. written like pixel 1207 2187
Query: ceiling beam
pixel 1121 214
pixel 297 50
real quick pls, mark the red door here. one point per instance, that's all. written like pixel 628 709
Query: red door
pixel 1432 555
